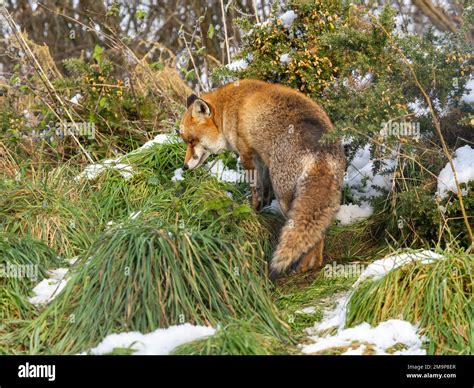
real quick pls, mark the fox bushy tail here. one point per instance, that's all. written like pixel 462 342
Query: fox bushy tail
pixel 315 203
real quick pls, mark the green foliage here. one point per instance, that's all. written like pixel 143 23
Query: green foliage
pixel 113 111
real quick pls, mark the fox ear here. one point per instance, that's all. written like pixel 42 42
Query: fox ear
pixel 201 109
pixel 190 100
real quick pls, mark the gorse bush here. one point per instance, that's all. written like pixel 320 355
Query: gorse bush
pixel 350 61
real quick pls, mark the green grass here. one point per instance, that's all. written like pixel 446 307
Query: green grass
pixel 50 210
pixel 438 296
pixel 144 275
pixel 30 259
pixel 194 254
pixel 307 291
pixel 236 338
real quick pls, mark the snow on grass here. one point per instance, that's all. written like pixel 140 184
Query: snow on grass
pixel 288 18
pixel 46 290
pixel 348 214
pixel 178 175
pixel 463 162
pixel 469 95
pixel 94 170
pixel 379 338
pixel 379 268
pixel 419 108
pixel 158 342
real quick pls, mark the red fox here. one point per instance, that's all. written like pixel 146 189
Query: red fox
pixel 276 131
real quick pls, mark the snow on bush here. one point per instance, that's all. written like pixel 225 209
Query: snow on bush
pixel 351 213
pixel 94 170
pixel 288 18
pixel 224 174
pixel 463 162
pixel 178 175
pixel 362 181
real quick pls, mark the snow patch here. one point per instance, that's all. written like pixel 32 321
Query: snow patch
pixel 94 170
pixel 348 214
pixel 46 290
pixel 463 162
pixel 288 18
pixel 158 342
pixel 379 268
pixel 362 181
pixel 178 175
pixel 381 338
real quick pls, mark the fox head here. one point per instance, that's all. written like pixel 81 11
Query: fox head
pixel 199 131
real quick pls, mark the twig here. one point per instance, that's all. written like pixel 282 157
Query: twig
pixel 226 37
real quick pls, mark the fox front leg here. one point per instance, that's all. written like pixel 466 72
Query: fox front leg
pixel 265 186
pixel 248 164
pixel 264 190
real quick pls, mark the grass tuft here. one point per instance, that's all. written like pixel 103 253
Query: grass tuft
pixel 438 296
pixel 145 275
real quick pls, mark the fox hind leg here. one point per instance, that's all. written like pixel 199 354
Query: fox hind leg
pixel 311 260
pixel 316 201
